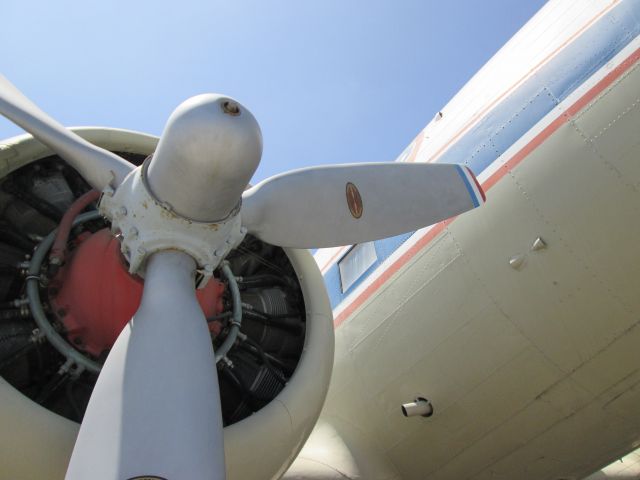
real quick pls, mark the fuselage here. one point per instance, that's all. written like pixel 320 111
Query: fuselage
pixel 519 320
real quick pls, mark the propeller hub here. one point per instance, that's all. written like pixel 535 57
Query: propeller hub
pixel 208 152
pixel 146 225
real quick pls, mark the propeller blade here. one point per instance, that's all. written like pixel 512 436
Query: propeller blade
pixel 155 410
pixel 347 204
pixel 99 167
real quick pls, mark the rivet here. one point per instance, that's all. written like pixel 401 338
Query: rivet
pixel 517 261
pixel 538 244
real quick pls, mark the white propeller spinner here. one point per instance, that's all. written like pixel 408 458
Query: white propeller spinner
pixel 206 157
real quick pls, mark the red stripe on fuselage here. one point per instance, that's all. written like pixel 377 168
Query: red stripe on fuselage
pixel 476 118
pixel 566 116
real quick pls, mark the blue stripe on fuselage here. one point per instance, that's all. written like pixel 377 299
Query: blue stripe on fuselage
pixel 521 110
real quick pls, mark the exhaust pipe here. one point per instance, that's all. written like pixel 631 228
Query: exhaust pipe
pixel 420 406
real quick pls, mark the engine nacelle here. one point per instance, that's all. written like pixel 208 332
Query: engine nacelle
pixel 37 443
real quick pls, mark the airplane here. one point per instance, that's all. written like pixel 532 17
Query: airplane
pixel 499 343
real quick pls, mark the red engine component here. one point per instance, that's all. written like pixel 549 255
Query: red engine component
pixel 95 296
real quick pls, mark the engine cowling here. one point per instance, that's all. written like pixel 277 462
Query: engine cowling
pixel 266 424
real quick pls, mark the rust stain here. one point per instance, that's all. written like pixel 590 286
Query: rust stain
pixel 168 214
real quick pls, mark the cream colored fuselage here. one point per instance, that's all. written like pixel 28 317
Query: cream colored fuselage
pixel 529 354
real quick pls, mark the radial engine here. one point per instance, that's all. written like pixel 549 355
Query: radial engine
pixel 66 293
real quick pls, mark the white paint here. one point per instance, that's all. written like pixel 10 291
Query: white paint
pixel 205 158
pixel 147 226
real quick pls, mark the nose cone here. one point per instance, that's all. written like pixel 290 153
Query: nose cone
pixel 208 152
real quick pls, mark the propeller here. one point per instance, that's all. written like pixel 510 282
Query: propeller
pixel 347 204
pixel 99 167
pixel 155 409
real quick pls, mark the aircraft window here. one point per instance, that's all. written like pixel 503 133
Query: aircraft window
pixel 355 263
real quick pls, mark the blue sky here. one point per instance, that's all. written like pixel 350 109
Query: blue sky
pixel 329 81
